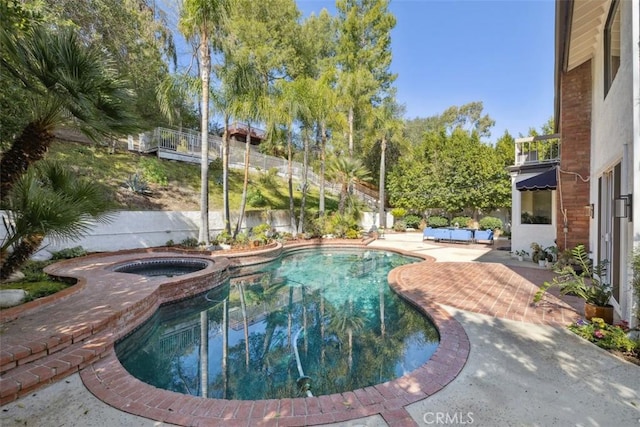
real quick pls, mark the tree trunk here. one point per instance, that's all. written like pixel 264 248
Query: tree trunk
pixel 28 148
pixel 343 198
pixel 268 338
pixel 21 254
pixel 225 347
pixel 350 118
pixel 350 121
pixel 245 184
pixel 290 317
pixel 205 61
pixel 225 176
pixel 350 359
pixel 323 352
pixel 305 169
pixel 245 323
pixel 323 144
pixel 292 208
pixel 204 353
pixel 381 213
pixel 381 295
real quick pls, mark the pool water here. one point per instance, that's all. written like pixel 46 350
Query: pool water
pixel 315 321
pixel 161 267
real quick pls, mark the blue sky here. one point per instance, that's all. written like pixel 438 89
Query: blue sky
pixel 451 52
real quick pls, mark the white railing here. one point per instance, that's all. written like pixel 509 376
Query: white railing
pixel 187 142
pixel 537 149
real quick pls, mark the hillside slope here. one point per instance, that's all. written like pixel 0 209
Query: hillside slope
pixel 173 186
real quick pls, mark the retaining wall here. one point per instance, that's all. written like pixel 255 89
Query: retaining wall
pixel 145 229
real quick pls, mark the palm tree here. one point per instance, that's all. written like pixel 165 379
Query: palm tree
pixel 203 19
pixel 324 111
pixel 291 105
pixel 346 171
pixel 386 124
pixel 249 105
pixel 66 83
pixel 234 77
pixel 48 201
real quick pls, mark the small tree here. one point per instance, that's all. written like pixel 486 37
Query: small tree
pixel 48 201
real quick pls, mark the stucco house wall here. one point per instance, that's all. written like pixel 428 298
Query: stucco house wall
pixel 613 142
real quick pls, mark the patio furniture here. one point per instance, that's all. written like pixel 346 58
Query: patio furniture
pixel 483 235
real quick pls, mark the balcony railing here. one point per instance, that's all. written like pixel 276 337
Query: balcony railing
pixel 537 150
pixel 166 141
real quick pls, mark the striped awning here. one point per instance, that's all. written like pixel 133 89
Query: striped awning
pixel 543 181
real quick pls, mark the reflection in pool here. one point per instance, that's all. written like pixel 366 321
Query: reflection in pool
pixel 318 320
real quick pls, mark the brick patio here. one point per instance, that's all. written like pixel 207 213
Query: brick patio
pixel 75 330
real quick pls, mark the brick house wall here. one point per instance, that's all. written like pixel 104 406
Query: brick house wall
pixel 575 130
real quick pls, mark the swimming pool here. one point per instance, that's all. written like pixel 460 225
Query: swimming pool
pixel 316 321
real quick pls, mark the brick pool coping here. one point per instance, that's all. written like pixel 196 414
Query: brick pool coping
pixel 41 346
pixel 111 383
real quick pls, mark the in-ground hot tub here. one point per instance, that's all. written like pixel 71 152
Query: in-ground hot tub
pixel 165 267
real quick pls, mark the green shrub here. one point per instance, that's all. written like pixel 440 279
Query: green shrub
pixel 490 223
pixel 339 225
pixel 69 253
pixel 256 199
pixel 437 221
pixel 215 165
pixel 412 221
pixel 154 171
pixel 260 232
pixel 189 242
pixel 269 178
pixel 635 282
pixel 42 289
pixel 169 243
pixel 316 227
pixel 242 239
pixel 399 225
pixel 352 234
pixel 32 271
pixel 283 236
pixel 398 213
pixel 462 221
pixel 224 238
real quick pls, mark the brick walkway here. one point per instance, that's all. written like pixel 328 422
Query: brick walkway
pixel 75 331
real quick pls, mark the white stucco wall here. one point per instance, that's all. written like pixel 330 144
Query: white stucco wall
pixel 634 306
pixel 613 138
pixel 611 117
pixel 522 235
pixel 143 229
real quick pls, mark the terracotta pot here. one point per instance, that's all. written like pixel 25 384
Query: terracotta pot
pixel 605 313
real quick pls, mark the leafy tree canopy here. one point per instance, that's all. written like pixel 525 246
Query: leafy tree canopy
pixel 448 167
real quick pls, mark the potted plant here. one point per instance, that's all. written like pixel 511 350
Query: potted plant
pixel 588 285
pixel 521 254
pixel 537 252
pixel 551 253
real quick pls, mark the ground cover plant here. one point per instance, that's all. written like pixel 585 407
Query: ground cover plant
pixel 613 338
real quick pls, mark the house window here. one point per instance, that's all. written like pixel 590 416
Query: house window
pixel 535 207
pixel 611 45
